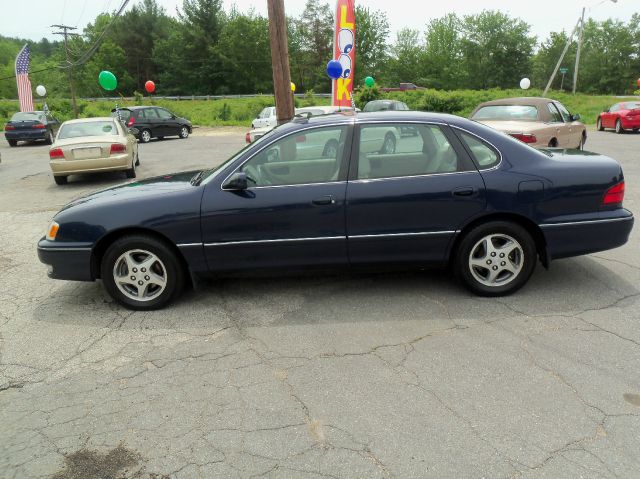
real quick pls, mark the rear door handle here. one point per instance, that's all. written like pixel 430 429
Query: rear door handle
pixel 464 191
pixel 324 200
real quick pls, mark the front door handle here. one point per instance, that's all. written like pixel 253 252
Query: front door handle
pixel 324 200
pixel 464 191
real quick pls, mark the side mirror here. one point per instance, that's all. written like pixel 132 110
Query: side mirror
pixel 575 117
pixel 606 110
pixel 236 182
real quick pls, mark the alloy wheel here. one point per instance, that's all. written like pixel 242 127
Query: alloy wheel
pixel 140 275
pixel 496 260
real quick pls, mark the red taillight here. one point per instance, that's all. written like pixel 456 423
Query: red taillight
pixel 614 195
pixel 524 137
pixel 117 148
pixel 56 154
pixel 9 127
pixel 633 113
pixel 38 126
pixel 131 121
pixel 247 137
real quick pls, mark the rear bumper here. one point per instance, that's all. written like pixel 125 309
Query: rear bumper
pixel 24 135
pixel 70 167
pixel 630 123
pixel 583 237
pixel 70 262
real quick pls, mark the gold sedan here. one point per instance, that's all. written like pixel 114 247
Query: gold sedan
pixel 93 145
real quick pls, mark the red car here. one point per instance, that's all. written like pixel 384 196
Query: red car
pixel 621 116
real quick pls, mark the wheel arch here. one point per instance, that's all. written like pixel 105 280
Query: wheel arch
pixel 101 246
pixel 531 227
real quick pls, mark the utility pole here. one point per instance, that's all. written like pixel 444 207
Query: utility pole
pixel 65 32
pixel 575 72
pixel 564 52
pixel 280 61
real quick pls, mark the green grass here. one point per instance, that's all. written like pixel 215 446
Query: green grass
pixel 240 112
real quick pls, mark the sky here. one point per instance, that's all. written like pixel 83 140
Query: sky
pixel 32 19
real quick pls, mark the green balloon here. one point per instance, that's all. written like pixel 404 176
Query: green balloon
pixel 107 80
pixel 369 81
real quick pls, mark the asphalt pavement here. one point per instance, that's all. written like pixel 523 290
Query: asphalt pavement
pixel 402 375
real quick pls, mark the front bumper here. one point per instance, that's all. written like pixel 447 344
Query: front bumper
pixel 26 135
pixel 69 261
pixel 590 236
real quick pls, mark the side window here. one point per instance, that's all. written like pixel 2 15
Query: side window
pixel 388 151
pixel 484 156
pixel 566 116
pixel 164 114
pixel 615 107
pixel 556 117
pixel 310 156
pixel 150 113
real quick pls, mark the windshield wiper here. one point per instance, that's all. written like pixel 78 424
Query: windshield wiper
pixel 197 179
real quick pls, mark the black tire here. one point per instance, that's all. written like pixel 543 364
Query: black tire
pixel 49 140
pixel 170 265
pixel 619 129
pixel 330 149
pixel 553 143
pixel 389 145
pixel 583 140
pixel 137 158
pixel 145 136
pixel 131 172
pixel 184 132
pixel 471 244
pixel 60 180
pixel 13 142
pixel 599 126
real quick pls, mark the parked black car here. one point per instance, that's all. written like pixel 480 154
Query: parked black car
pixel 30 126
pixel 327 192
pixel 153 122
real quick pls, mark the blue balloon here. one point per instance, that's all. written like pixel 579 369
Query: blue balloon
pixel 334 69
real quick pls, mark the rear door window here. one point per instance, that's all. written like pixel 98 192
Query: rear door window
pixel 484 155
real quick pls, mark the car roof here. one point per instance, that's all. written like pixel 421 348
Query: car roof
pixel 524 100
pixel 89 120
pixel 385 116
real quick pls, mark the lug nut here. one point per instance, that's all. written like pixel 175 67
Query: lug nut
pixel 140 283
pixel 144 270
pixel 489 261
pixel 503 263
pixel 502 255
pixel 135 270
pixel 133 278
pixel 493 254
pixel 147 278
pixel 495 268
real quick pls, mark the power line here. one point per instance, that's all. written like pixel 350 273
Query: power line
pixel 65 32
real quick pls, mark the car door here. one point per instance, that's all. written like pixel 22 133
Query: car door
pixel 609 118
pixel 168 122
pixel 562 134
pixel 153 122
pixel 574 131
pixel 407 206
pixel 292 213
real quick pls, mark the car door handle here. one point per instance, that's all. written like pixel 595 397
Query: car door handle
pixel 324 200
pixel 464 191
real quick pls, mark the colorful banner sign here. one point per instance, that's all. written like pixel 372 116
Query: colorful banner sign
pixel 344 51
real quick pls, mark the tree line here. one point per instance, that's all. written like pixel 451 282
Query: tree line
pixel 206 49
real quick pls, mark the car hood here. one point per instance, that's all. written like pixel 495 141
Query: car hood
pixel 147 189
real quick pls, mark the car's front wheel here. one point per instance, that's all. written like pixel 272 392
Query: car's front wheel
pixel 619 128
pixel 599 126
pixel 184 132
pixel 141 272
pixel 495 259
pixel 13 142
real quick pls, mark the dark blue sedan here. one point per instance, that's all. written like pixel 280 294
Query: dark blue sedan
pixel 347 191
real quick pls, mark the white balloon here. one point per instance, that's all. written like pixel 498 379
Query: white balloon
pixel 41 90
pixel 525 83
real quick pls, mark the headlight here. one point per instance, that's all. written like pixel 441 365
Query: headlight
pixel 52 231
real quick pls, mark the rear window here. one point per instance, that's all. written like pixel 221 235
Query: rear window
pixel 124 114
pixel 28 116
pixel 90 128
pixel 377 106
pixel 506 113
pixel 632 105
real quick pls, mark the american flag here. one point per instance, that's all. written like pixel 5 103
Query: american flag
pixel 22 77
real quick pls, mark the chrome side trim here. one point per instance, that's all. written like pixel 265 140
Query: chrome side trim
pixel 574 223
pixel 284 240
pixel 188 245
pixel 396 235
pixel 63 249
pixel 292 186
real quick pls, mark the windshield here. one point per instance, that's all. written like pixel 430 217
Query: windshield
pixel 90 128
pixel 506 113
pixel 28 116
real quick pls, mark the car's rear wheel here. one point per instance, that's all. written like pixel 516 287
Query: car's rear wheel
pixel 137 158
pixel 495 259
pixel 13 142
pixel 184 132
pixel 49 140
pixel 131 172
pixel 583 140
pixel 619 128
pixel 599 125
pixel 141 272
pixel 60 180
pixel 145 136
